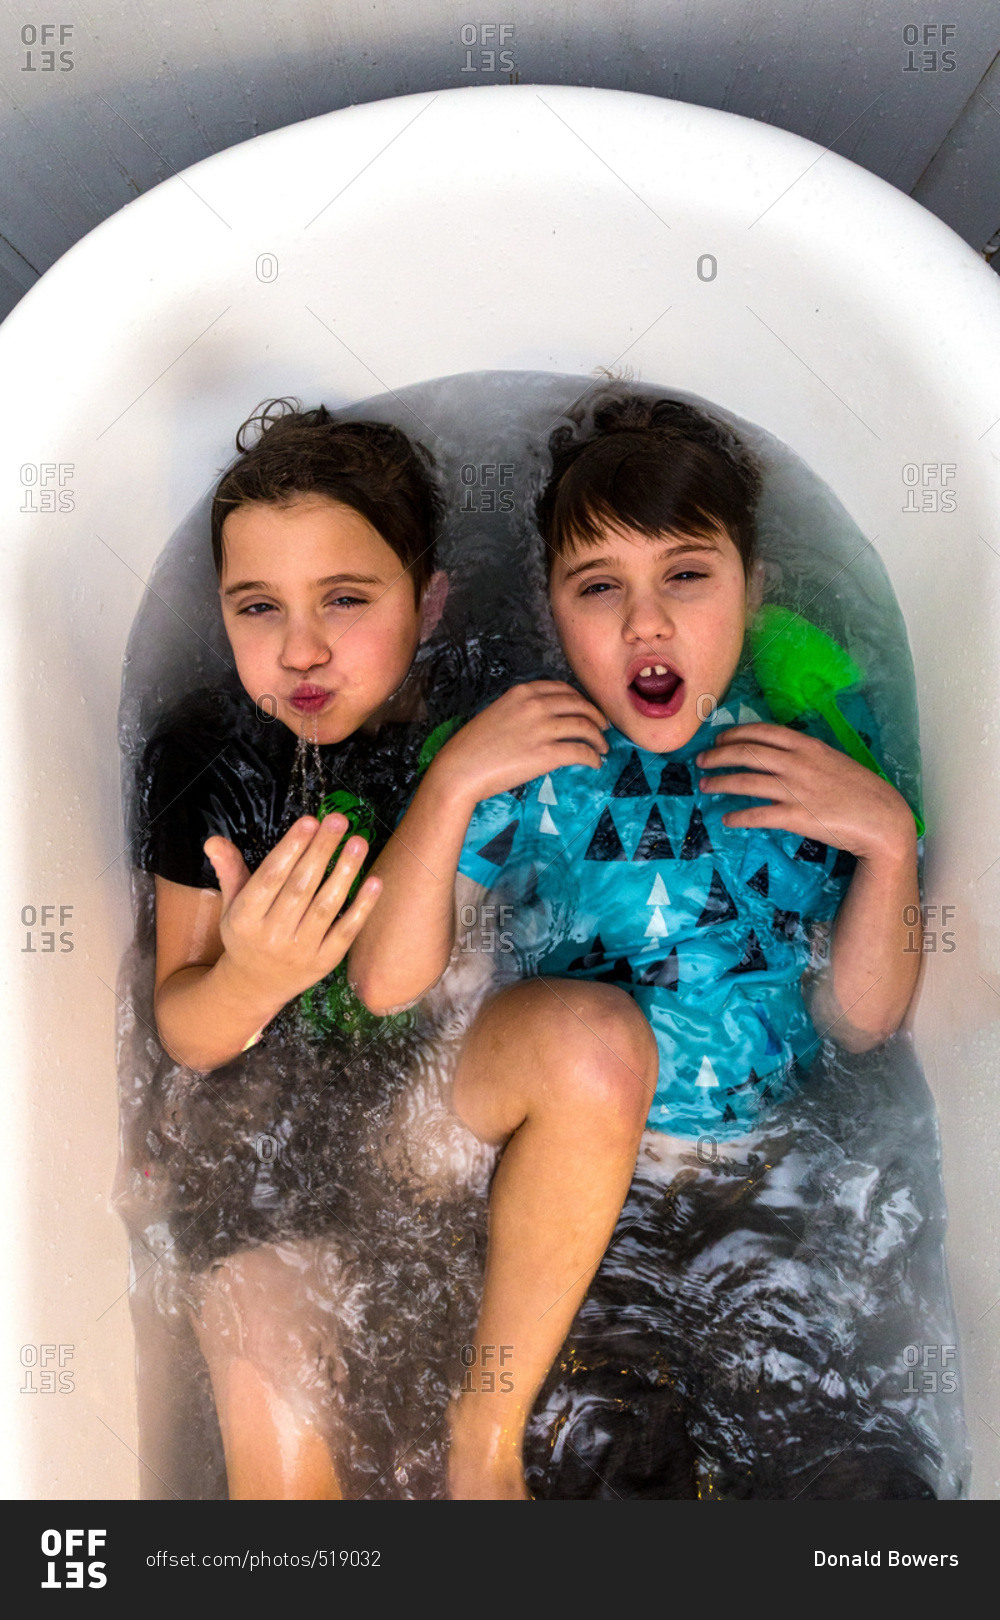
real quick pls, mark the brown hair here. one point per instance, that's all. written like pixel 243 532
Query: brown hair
pixel 370 466
pixel 655 465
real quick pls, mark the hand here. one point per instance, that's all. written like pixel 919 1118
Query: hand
pixel 814 790
pixel 280 926
pixel 532 729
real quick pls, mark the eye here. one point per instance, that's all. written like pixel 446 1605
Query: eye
pixel 347 601
pixel 688 573
pixel 598 587
pixel 254 609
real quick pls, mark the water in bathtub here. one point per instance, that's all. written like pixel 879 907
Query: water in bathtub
pixel 768 1321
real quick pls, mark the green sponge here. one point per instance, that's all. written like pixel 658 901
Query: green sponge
pixel 802 670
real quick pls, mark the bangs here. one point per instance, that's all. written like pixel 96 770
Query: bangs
pixel 624 482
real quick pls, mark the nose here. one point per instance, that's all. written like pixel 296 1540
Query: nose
pixel 646 619
pixel 305 644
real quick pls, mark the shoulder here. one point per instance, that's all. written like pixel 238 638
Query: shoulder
pixel 191 725
pixel 495 833
pixel 211 766
pixel 462 677
pixel 210 724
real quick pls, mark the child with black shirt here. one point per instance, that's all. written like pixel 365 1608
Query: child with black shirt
pixel 323 537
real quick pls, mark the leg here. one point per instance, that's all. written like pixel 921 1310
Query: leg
pixel 564 1072
pixel 265 1329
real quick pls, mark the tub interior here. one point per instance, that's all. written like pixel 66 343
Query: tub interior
pixel 853 1210
pixel 868 353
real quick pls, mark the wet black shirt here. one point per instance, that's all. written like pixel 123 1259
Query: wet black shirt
pixel 217 766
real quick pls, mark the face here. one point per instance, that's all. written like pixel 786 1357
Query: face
pixel 649 626
pixel 320 613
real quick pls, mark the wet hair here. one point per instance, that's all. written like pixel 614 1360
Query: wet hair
pixel 372 467
pixel 654 465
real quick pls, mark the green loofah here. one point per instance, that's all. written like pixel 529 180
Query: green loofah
pixel 802 670
pixel 331 1006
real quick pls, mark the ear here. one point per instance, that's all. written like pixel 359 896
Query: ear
pixel 432 603
pixel 755 589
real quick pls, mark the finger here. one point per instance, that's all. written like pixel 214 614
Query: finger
pixel 782 817
pixel 570 753
pixel 765 731
pixel 293 899
pixel 228 865
pixel 550 692
pixel 755 784
pixel 271 874
pixel 331 896
pixel 762 755
pixel 578 726
pixel 568 701
pixel 345 930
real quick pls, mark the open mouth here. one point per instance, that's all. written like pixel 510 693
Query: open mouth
pixel 657 691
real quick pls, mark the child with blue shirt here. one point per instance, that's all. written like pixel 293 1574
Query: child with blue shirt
pixel 665 919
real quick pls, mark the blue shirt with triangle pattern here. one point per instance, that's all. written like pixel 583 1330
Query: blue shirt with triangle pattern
pixel 629 875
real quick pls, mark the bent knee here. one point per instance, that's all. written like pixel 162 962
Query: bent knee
pixel 598 1049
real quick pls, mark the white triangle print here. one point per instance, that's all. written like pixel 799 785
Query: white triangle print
pixel 547 825
pixel 747 715
pixel 658 895
pixel 723 717
pixel 547 793
pixel 706 1074
pixel 657 927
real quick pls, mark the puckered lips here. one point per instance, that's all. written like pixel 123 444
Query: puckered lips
pixel 655 688
pixel 310 699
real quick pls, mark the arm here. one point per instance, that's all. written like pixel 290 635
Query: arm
pixel 405 949
pixel 227 962
pixel 199 1023
pixel 407 943
pixel 860 996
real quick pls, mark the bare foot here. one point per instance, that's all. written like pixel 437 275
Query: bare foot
pixel 484 1455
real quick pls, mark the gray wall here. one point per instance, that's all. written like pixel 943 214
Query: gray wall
pixel 126 97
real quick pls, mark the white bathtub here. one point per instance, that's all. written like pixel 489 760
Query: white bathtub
pixel 543 228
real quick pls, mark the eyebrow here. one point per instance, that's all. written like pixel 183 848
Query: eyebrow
pixel 330 579
pixel 695 543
